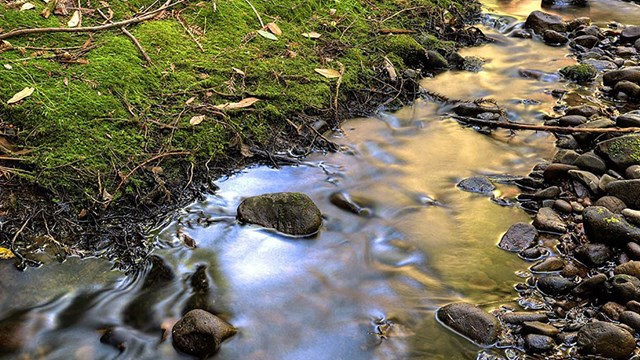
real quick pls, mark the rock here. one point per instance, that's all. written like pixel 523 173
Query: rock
pixel 625 51
pixel 537 327
pixel 519 237
pixel 567 142
pixel 477 184
pixel 605 180
pixel 583 110
pixel 520 34
pixel 603 226
pixel 552 263
pixel 613 310
pixel 631 318
pixel 601 65
pixel 563 3
pixel 633 306
pixel 354 204
pixel 200 333
pixel 632 216
pixel 470 321
pixel 289 213
pixel 548 193
pixel 538 343
pixel 562 206
pixel 612 203
pixel 579 73
pixel 555 285
pixel 593 253
pixel 605 339
pixel 626 190
pixel 552 37
pixel 637 45
pixel 435 61
pixel 611 78
pixel 629 268
pixel 592 285
pixel 520 317
pixel 539 21
pixel 632 172
pixel 632 90
pixel 598 123
pixel 625 287
pixel 577 207
pixel 572 120
pixel 578 22
pixel 633 250
pixel 588 179
pixel 472 109
pixel 630 34
pixel 533 253
pixel 630 119
pixel 557 171
pixel 567 157
pixel 589 161
pixel 587 41
pixel 548 219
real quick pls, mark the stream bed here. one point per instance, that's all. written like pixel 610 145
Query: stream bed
pixel 366 287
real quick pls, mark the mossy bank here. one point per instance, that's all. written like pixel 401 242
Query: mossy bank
pixel 109 140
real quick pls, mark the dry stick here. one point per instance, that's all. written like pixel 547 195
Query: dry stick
pixel 255 11
pixel 137 43
pixel 552 129
pixel 186 28
pixel 118 24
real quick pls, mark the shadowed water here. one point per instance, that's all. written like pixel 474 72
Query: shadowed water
pixel 364 287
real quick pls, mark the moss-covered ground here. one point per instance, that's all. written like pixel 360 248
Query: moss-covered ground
pixel 104 128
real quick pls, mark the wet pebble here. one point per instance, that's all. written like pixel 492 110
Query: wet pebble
pixel 605 339
pixel 200 333
pixel 519 236
pixel 552 263
pixel 589 161
pixel 552 37
pixel 548 193
pixel 538 343
pixel 590 286
pixel 537 327
pixel 631 319
pixel 625 287
pixel 593 253
pixel 633 250
pixel 612 310
pixel 548 219
pixel 562 206
pixel 555 285
pixel 477 184
pixel 533 253
pixel 470 321
pixel 629 268
pixel 520 317
pixel 539 21
pixel 587 41
pixel 557 171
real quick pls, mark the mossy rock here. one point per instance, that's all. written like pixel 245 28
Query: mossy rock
pixel 406 48
pixel 287 212
pixel 579 73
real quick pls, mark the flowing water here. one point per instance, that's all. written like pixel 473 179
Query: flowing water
pixel 364 287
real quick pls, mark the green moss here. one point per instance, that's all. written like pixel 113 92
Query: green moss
pixel 98 113
pixel 579 73
pixel 611 220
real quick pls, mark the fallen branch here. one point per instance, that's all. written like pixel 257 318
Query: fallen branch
pixel 119 24
pixel 548 128
pixel 137 44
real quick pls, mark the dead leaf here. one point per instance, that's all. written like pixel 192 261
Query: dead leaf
pixel 238 71
pixel 60 9
pixel 244 103
pixel 311 35
pixel 6 254
pixel 197 120
pixel 391 70
pixel 191 99
pixel 333 12
pixel 87 43
pixel 21 95
pixel 75 19
pixel 46 13
pixel 329 73
pixel 267 35
pixel 274 28
pixel 245 151
pixel 106 196
pixel 27 6
pixel 8 66
pixel 65 81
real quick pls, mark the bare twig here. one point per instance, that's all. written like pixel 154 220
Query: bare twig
pixel 254 10
pixel 119 24
pixel 189 32
pixel 552 129
pixel 137 44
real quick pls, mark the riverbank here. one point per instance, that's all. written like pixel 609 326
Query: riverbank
pixel 107 131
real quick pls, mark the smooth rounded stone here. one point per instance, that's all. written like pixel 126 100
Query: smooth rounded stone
pixel 354 204
pixel 605 339
pixel 632 216
pixel 589 161
pixel 572 120
pixel 632 90
pixel 553 37
pixel 538 343
pixel 589 286
pixel 630 34
pixel 603 226
pixel 289 213
pixel 563 156
pixel 613 77
pixel 601 65
pixel 633 306
pixel 637 45
pixel 473 109
pixel 612 203
pixel 435 61
pixel 625 287
pixel 567 142
pixel 548 193
pixel 612 310
pixel 597 123
pixel 632 172
pixel 477 184
pixel 633 250
pixel 631 318
pixel 549 220
pixel 520 34
pixel 588 179
pixel 200 333
pixel 604 181
pixel 471 322
pixel 557 171
pixel 520 317
pixel 539 21
pixel 537 327
pixel 562 206
pixel 587 41
pixel 593 253
pixel 626 190
pixel 548 203
pixel 629 268
pixel 552 263
pixel 630 119
pixel 583 110
pixel 577 22
pixel 625 51
pixel 533 253
pixel 519 237
pixel 555 285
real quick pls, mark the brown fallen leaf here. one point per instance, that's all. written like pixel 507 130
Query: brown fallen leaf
pixel 274 28
pixel 244 103
pixel 312 35
pixel 329 73
pixel 239 72
pixel 75 19
pixel 190 100
pixel 21 95
pixel 391 70
pixel 46 13
pixel 197 120
pixel 6 254
pixel 27 6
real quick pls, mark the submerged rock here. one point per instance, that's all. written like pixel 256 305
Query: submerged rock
pixel 470 321
pixel 477 184
pixel 200 333
pixel 353 204
pixel 290 213
pixel 605 339
pixel 519 237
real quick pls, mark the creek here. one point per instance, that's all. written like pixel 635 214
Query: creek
pixel 364 287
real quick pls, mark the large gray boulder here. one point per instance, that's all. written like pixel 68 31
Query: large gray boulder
pixel 605 339
pixel 290 213
pixel 200 333
pixel 470 321
pixel 603 226
pixel 623 151
pixel 539 21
